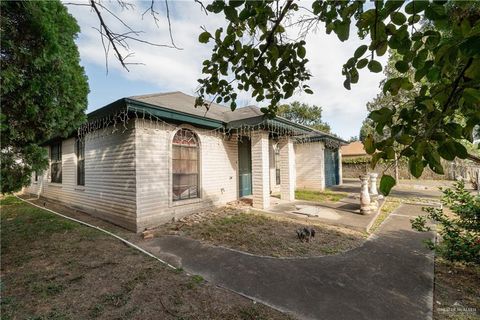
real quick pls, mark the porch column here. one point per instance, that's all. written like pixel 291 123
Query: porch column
pixel 340 169
pixel 287 169
pixel 260 170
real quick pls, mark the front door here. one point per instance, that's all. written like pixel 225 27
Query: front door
pixel 245 167
pixel 331 167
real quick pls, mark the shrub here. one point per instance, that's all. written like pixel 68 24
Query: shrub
pixel 460 231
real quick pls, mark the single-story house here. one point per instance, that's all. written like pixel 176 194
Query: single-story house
pixel 353 150
pixel 144 160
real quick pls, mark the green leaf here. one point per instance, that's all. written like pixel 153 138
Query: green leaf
pixel 301 52
pixel 401 66
pixel 447 150
pixel 230 13
pixel 342 30
pixel 398 18
pixel 360 51
pixel 415 166
pixel 404 139
pixel 471 95
pixel 204 37
pixel 236 3
pixel 362 63
pixel 374 66
pixel 416 6
pixel 381 48
pixel 460 150
pixel 381 115
pixel 386 184
pixel 369 144
pixel 473 72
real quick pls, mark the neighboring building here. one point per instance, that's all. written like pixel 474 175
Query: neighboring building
pixel 353 149
pixel 145 160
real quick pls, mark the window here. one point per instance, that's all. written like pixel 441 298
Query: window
pixel 185 165
pixel 56 162
pixel 36 176
pixel 277 164
pixel 81 162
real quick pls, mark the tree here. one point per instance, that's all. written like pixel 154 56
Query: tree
pixel 254 53
pixel 302 113
pixel 43 87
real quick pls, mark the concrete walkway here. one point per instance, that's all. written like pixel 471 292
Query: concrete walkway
pixel 389 277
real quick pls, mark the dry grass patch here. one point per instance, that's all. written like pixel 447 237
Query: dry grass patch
pixel 388 207
pixel 53 268
pixel 264 234
pixel 319 196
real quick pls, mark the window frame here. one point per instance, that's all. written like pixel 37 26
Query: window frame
pixel 56 162
pixel 80 153
pixel 179 150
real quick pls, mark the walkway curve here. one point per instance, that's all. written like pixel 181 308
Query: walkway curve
pixel 389 277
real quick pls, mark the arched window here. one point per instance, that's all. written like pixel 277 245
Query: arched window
pixel 185 150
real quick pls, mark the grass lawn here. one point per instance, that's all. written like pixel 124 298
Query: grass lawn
pixel 264 234
pixel 456 284
pixel 53 268
pixel 319 196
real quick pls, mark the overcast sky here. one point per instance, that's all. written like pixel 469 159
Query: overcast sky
pixel 165 69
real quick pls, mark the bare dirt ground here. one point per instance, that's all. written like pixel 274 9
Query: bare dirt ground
pixel 457 291
pixel 53 268
pixel 262 233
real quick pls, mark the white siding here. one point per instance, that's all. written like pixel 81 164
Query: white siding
pixel 310 166
pixel 218 173
pixel 109 190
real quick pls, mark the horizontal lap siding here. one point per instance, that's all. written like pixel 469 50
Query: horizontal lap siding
pixel 109 190
pixel 310 166
pixel 218 173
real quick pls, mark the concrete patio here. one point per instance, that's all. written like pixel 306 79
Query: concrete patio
pixel 344 213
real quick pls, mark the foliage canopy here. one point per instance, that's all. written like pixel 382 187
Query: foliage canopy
pixel 43 88
pixel 302 113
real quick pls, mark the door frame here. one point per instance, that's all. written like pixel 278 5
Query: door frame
pixel 249 148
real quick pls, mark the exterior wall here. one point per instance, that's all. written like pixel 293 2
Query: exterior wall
pixel 109 190
pixel 218 173
pixel 310 166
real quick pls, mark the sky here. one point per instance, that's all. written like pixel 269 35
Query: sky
pixel 165 69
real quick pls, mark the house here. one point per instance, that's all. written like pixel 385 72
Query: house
pixel 145 160
pixel 353 150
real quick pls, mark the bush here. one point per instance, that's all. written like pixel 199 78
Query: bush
pixel 460 231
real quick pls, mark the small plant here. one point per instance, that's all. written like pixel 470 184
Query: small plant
pixel 460 232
